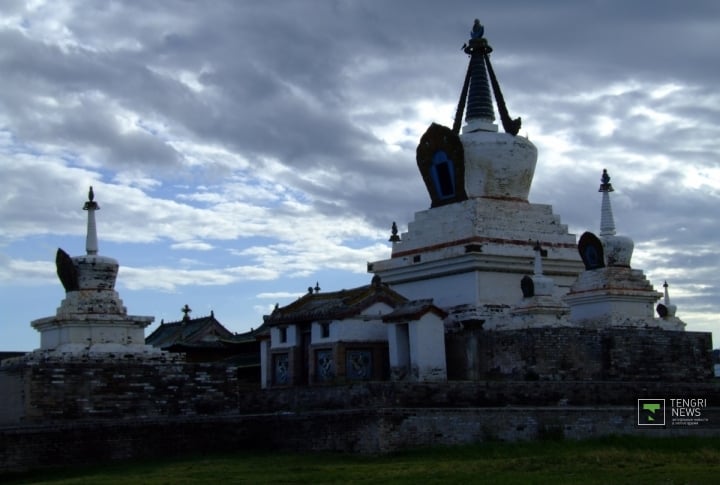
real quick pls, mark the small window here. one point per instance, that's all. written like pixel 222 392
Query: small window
pixel 325 329
pixel 283 334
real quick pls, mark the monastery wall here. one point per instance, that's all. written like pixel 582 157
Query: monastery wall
pixel 573 353
pixel 367 418
pixel 54 389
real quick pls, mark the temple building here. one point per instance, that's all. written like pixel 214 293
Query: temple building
pixel 205 339
pixel 486 284
pixel 343 336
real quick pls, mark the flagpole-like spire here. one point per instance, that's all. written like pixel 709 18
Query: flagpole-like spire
pixel 91 241
pixel 480 115
pixel 607 222
pixel 479 103
pixel 476 94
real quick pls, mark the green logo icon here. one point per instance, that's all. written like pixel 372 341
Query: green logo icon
pixel 651 412
pixel 652 408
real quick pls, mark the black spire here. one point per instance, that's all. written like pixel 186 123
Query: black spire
pixel 394 236
pixel 479 103
pixel 476 89
pixel 605 186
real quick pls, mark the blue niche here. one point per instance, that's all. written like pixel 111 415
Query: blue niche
pixel 358 364
pixel 441 160
pixel 442 172
pixel 281 369
pixel 324 365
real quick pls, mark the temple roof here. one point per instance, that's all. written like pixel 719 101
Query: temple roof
pixel 335 305
pixel 413 310
pixel 203 332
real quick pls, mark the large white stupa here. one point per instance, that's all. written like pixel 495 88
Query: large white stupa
pixel 469 251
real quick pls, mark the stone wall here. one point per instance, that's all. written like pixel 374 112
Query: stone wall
pixel 55 412
pixel 56 389
pixel 354 430
pixel 485 394
pixel 572 353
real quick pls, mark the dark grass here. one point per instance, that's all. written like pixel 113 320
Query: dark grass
pixel 636 460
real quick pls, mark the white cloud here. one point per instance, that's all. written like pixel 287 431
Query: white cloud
pixel 279 295
pixel 22 272
pixel 193 246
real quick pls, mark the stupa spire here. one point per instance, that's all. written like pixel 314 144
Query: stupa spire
pixel 538 268
pixel 618 249
pixel 607 222
pixel 91 240
pixel 479 103
pixel 476 94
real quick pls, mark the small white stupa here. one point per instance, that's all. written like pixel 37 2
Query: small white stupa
pixel 92 318
pixel 540 305
pixel 609 293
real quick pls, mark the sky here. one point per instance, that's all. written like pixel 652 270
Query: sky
pixel 242 151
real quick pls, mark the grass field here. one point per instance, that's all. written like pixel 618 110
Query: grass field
pixel 603 461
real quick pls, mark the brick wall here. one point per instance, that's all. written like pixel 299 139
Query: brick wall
pixel 570 353
pixel 483 394
pixel 354 430
pixel 60 390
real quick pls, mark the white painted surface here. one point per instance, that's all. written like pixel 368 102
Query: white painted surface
pixel 498 164
pixel 264 367
pixel 616 296
pixel 427 348
pixel 432 260
pixel 291 337
pixel 399 345
pixel 358 330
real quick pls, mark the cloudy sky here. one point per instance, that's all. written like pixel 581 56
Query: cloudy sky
pixel 242 151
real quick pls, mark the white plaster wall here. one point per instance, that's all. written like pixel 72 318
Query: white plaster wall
pixel 399 345
pixel 85 333
pixel 357 330
pixel 365 327
pixel 612 308
pixel 427 348
pixel 377 309
pixel 473 288
pixel 291 340
pixel 445 291
pixel 316 332
pixel 264 364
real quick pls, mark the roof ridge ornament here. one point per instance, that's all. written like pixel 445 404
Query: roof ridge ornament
pixel 186 312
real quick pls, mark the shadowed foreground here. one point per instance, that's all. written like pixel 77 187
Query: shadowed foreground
pixel 610 460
